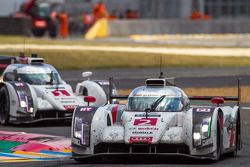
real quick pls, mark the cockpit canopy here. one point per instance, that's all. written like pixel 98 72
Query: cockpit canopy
pixel 173 99
pixel 33 74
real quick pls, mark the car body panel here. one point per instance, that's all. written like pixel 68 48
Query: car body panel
pixel 159 132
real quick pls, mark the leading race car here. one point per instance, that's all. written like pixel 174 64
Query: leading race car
pixel 157 120
pixel 31 91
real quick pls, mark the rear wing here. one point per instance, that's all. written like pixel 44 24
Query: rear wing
pixel 225 98
pixel 5 61
pixel 198 98
pixel 111 96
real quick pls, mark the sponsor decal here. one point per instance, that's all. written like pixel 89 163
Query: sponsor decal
pixel 67 98
pixel 145 122
pixel 67 101
pixel 19 84
pixel 151 115
pixel 60 93
pixel 138 139
pixel 142 132
pixel 149 128
pixel 144 128
pixel 203 109
pixel 86 109
pixel 69 107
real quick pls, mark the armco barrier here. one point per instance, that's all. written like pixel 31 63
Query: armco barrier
pixel 15 26
pixel 144 26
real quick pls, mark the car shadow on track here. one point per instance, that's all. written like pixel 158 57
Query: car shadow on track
pixel 149 160
pixel 50 123
pixel 131 160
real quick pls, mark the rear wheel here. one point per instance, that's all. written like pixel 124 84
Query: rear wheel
pixel 4 105
pixel 237 138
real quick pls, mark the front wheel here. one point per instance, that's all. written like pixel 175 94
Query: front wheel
pixel 237 140
pixel 217 153
pixel 4 105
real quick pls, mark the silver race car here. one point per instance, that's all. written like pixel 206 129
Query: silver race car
pixel 157 120
pixel 31 90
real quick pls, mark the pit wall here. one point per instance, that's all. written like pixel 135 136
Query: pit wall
pixel 15 26
pixel 145 26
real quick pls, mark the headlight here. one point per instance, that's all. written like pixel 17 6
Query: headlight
pixel 197 135
pixel 82 131
pixel 23 104
pixel 78 128
pixel 202 131
pixel 31 110
pixel 206 128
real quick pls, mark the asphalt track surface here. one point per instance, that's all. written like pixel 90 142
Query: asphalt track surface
pixel 127 78
pixel 243 158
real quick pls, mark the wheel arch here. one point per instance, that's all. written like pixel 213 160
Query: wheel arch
pixel 220 116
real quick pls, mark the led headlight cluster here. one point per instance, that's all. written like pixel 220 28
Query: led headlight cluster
pixel 202 131
pixel 23 104
pixel 82 131
pixel 206 128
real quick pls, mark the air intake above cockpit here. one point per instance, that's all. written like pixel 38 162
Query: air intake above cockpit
pixel 160 82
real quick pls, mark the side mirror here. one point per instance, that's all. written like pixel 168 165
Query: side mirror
pixel 217 100
pixel 89 99
pixel 87 74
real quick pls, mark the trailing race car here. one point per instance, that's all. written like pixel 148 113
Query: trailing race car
pixel 31 91
pixel 157 120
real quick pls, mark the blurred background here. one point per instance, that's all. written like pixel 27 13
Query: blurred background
pixel 125 17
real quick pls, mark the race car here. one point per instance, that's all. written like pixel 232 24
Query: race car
pixel 157 120
pixel 32 91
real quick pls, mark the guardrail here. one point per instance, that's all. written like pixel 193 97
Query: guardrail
pixel 146 26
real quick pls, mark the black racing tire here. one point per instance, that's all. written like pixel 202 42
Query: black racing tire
pixel 218 143
pixel 235 151
pixel 4 105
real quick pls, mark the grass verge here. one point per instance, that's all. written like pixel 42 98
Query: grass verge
pixel 65 60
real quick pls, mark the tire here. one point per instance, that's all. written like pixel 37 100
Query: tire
pixel 218 143
pixel 234 153
pixel 4 105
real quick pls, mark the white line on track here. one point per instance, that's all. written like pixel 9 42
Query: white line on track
pixel 218 52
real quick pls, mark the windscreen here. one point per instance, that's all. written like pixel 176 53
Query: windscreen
pixel 168 104
pixel 40 78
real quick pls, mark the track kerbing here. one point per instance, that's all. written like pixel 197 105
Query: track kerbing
pixel 24 147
